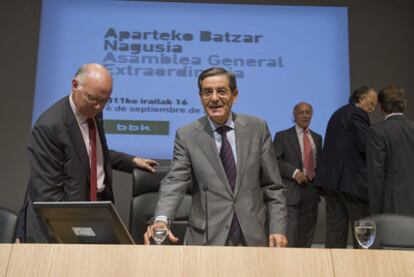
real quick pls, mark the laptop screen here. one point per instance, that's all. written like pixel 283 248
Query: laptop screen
pixel 84 222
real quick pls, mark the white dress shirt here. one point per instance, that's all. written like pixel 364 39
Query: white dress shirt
pixel 83 125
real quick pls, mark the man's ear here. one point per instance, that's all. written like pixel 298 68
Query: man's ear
pixel 75 84
pixel 235 94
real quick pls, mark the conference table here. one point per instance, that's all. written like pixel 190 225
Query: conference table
pixel 139 260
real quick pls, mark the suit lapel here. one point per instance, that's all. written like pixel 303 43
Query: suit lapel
pixel 316 141
pixel 243 143
pixel 294 142
pixel 101 131
pixel 207 144
pixel 76 135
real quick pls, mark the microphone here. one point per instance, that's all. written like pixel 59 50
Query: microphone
pixel 206 212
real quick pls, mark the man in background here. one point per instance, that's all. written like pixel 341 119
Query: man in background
pixel 68 154
pixel 342 172
pixel 229 160
pixel 390 157
pixel 297 150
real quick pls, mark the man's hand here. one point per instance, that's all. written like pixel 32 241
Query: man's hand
pixel 145 164
pixel 150 231
pixel 300 177
pixel 277 240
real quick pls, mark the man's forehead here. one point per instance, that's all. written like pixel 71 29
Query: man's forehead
pixel 216 81
pixel 303 106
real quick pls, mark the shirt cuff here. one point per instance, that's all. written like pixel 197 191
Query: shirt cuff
pixel 161 218
pixel 294 173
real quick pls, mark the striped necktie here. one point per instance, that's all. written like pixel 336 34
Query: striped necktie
pixel 229 164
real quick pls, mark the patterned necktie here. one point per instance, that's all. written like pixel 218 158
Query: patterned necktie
pixel 92 157
pixel 229 164
pixel 227 157
pixel 308 163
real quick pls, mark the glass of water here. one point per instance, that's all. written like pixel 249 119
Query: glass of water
pixel 160 231
pixel 365 231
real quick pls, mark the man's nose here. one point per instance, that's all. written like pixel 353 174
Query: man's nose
pixel 98 106
pixel 214 96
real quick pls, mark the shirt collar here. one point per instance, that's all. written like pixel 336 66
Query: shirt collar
pixel 392 114
pixel 299 130
pixel 79 117
pixel 229 123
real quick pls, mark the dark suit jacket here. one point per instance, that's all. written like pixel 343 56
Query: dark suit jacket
pixel 342 166
pixel 289 157
pixel 59 165
pixel 259 195
pixel 390 157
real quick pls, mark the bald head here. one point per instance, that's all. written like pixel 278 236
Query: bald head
pixel 92 70
pixel 91 89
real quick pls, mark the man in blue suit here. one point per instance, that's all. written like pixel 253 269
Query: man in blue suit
pixel 342 171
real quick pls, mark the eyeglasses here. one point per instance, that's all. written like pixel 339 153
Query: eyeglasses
pixel 93 99
pixel 208 92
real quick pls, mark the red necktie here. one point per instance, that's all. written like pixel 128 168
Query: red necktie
pixel 308 163
pixel 92 157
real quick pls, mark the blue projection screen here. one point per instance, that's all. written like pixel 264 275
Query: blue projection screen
pixel 281 55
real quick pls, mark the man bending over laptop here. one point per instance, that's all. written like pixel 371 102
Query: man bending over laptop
pixel 68 155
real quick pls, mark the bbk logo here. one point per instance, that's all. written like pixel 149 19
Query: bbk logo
pixel 133 127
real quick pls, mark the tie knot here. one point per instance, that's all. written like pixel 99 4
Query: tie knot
pixel 306 130
pixel 222 130
pixel 91 122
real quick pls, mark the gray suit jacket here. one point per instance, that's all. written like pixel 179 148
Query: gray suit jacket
pixel 289 157
pixel 259 196
pixel 390 160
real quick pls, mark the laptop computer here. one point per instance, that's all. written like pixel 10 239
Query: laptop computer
pixel 84 222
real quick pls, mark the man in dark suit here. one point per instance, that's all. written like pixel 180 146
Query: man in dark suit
pixel 68 154
pixel 297 150
pixel 342 171
pixel 229 160
pixel 390 157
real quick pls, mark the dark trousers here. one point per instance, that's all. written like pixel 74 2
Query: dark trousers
pixel 342 209
pixel 302 218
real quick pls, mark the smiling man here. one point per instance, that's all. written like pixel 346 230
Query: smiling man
pixel 229 160
pixel 297 150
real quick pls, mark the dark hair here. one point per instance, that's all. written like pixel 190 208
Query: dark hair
pixel 215 71
pixel 392 99
pixel 358 94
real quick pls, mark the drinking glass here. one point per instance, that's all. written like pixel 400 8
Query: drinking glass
pixel 160 231
pixel 365 231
